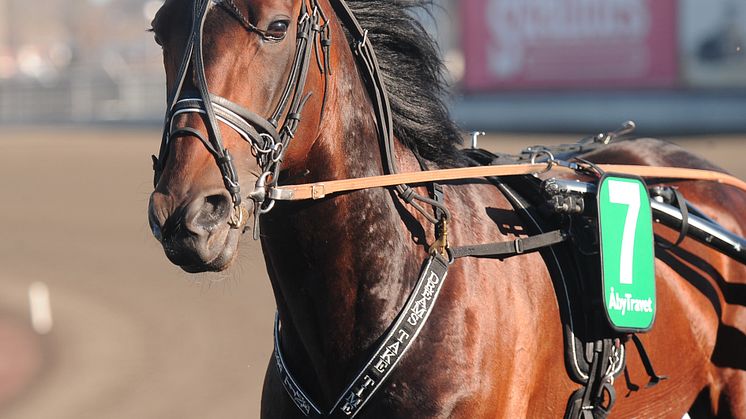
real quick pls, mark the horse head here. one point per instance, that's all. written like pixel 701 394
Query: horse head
pixel 237 74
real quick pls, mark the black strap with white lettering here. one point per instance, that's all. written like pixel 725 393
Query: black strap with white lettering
pixel 297 395
pixel 402 333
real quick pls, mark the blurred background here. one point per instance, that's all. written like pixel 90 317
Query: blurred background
pixel 96 323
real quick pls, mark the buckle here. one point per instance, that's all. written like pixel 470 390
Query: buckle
pixel 519 249
pixel 440 245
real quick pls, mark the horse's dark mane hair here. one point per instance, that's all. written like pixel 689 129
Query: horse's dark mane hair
pixel 413 76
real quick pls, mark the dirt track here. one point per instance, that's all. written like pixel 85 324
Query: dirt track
pixel 133 336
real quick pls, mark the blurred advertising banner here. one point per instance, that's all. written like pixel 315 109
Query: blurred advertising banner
pixel 534 44
pixel 713 37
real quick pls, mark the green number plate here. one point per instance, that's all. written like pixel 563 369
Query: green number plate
pixel 627 259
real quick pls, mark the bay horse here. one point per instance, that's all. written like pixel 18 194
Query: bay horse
pixel 343 266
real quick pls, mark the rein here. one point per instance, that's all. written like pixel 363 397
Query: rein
pixel 369 68
pixel 320 190
pixel 269 141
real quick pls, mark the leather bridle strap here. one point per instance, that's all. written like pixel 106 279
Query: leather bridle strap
pixel 268 143
pixel 683 208
pixel 159 162
pixel 367 57
pixel 250 126
pixel 319 190
pixel 378 94
pixel 213 142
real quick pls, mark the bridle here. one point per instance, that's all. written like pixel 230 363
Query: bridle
pixel 268 140
pixel 269 143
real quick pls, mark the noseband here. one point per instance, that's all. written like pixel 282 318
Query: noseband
pixel 268 141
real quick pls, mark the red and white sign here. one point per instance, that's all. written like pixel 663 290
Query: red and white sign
pixel 531 44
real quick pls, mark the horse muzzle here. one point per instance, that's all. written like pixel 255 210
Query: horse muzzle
pixel 201 234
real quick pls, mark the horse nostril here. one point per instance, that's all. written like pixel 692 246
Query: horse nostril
pixel 155 207
pixel 216 207
pixel 214 211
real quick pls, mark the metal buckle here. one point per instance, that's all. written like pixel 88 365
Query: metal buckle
pixel 441 243
pixel 518 243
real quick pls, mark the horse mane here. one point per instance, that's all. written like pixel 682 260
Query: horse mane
pixel 413 76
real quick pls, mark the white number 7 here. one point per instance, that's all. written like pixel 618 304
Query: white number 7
pixel 626 193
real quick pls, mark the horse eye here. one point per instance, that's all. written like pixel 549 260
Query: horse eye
pixel 277 30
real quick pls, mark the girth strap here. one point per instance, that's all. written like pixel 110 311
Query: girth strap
pixel 394 345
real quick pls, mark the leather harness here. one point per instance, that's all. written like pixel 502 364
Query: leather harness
pixel 270 141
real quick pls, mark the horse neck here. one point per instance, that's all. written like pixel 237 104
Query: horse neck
pixel 340 267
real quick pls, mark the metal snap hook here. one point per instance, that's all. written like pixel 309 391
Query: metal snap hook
pixel 259 194
pixel 268 208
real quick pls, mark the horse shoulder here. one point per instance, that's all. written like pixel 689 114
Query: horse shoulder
pixel 503 314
